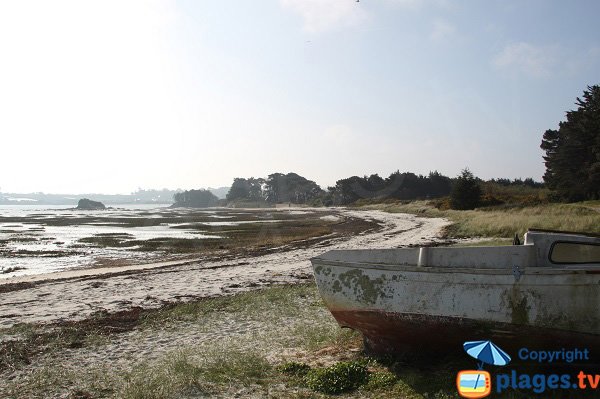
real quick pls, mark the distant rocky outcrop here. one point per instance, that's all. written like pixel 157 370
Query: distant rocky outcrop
pixel 89 205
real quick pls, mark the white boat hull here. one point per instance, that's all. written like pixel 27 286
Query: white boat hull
pixel 399 306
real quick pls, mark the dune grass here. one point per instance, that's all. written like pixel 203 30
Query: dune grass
pixel 281 317
pixel 189 375
pixel 507 221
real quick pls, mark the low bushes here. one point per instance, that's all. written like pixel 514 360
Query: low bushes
pixel 338 378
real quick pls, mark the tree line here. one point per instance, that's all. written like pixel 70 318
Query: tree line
pixel 465 190
pixel 462 192
pixel 401 186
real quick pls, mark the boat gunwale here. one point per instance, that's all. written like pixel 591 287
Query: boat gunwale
pixel 578 233
pixel 537 270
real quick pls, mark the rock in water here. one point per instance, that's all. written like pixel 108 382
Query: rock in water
pixel 88 204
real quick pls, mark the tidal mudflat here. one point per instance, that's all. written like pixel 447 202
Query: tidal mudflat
pixel 42 240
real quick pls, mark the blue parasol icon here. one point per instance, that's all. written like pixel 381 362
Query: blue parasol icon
pixel 486 352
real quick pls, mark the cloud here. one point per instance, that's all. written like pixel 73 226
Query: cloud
pixel 536 61
pixel 324 15
pixel 442 30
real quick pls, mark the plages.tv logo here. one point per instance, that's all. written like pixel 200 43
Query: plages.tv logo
pixel 476 384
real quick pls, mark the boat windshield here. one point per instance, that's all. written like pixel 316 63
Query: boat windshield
pixel 575 252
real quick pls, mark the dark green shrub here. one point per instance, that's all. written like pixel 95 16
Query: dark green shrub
pixel 338 378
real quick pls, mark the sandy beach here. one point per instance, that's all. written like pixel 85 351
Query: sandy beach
pixel 75 295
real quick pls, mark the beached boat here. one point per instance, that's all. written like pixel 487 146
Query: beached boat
pixel 542 294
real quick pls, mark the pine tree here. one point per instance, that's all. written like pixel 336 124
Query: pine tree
pixel 573 151
pixel 466 192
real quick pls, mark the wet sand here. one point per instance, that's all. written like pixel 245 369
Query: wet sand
pixel 76 295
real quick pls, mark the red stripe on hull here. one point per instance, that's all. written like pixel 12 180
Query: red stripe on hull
pixel 394 333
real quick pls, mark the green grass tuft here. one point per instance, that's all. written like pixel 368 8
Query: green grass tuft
pixel 338 378
pixel 381 379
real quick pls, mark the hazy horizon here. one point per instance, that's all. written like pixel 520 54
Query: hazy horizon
pixel 197 187
pixel 103 97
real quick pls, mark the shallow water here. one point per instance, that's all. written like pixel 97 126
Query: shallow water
pixel 42 239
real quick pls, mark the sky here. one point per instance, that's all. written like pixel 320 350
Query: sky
pixel 109 96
